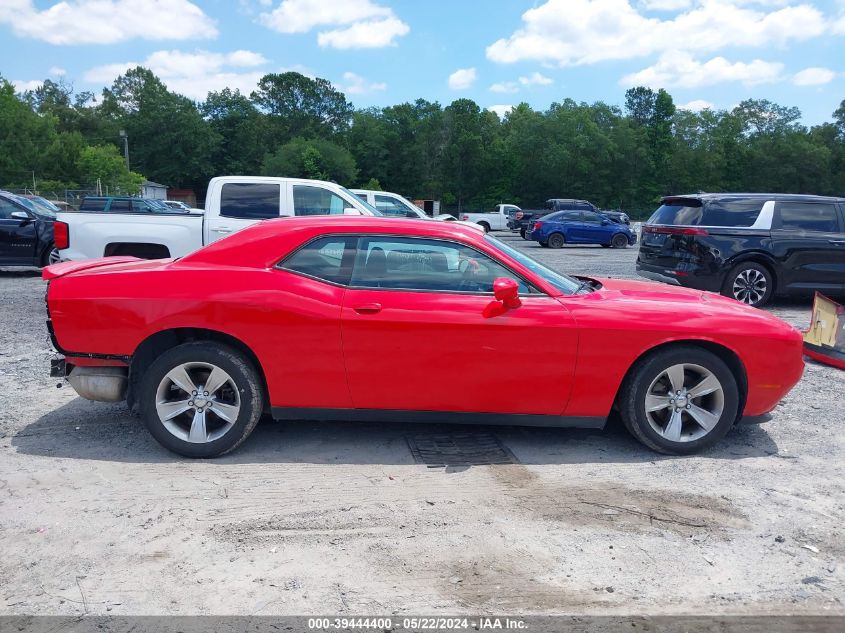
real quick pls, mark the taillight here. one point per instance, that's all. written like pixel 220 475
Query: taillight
pixel 464 217
pixel 519 215
pixel 61 235
pixel 537 226
pixel 674 230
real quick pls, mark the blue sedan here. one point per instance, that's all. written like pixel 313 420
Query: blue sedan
pixel 581 227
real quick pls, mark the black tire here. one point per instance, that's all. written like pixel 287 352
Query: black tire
pixel 544 244
pixel 244 376
pixel 556 240
pixel 648 370
pixel 749 282
pixel 46 256
pixel 484 226
pixel 619 241
pixel 522 234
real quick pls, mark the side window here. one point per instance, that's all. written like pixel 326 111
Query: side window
pixel 328 258
pixel 390 206
pixel 137 205
pixel 731 213
pixel 808 216
pixel 362 196
pixel 429 265
pixel 592 218
pixel 7 208
pixel 569 216
pixel 250 200
pixel 119 206
pixel 93 204
pixel 309 200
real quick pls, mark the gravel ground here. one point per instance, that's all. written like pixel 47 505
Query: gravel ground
pixel 340 519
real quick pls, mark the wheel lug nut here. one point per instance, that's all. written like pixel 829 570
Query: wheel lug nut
pixel 193 393
pixel 689 406
pixel 205 393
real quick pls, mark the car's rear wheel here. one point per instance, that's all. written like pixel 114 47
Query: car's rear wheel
pixel 50 256
pixel 484 226
pixel 556 240
pixel 749 282
pixel 522 234
pixel 679 400
pixel 201 399
pixel 619 241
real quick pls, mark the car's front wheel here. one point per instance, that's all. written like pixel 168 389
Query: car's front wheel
pixel 201 399
pixel 619 241
pixel 679 400
pixel 522 234
pixel 50 256
pixel 750 283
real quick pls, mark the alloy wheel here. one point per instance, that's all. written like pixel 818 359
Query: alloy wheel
pixel 53 257
pixel 198 402
pixel 684 402
pixel 750 286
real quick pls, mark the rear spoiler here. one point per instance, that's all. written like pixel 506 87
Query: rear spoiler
pixel 66 268
pixel 825 340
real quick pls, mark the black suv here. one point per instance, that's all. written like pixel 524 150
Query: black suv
pixel 26 232
pixel 747 246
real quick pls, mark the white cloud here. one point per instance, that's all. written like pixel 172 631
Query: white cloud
pixel 355 84
pixel 107 21
pixel 500 110
pixel 57 71
pixel 681 70
pixel 535 79
pixel 191 74
pixel 575 32
pixel 813 77
pixel 505 87
pixel 358 23
pixel 372 34
pixel 462 78
pixel 665 5
pixel 24 86
pixel 697 105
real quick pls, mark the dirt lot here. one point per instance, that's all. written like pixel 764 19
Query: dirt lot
pixel 336 519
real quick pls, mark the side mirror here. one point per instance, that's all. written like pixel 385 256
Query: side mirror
pixel 506 290
pixel 351 211
pixel 20 215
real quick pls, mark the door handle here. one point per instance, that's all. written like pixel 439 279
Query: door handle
pixel 223 229
pixel 368 308
pixel 837 242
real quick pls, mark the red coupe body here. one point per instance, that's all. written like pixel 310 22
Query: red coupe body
pixel 323 346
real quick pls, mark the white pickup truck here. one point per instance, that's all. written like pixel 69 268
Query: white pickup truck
pixel 232 203
pixel 494 220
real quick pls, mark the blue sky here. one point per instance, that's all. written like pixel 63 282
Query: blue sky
pixel 498 52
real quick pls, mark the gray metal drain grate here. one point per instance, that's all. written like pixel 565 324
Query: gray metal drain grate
pixel 459 449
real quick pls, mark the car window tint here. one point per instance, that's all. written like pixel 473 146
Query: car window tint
pixel 7 208
pixel 429 265
pixel 250 200
pixel 137 205
pixel 119 205
pixel 308 200
pixel 592 218
pixel 731 212
pixel 570 216
pixel 328 258
pixel 93 204
pixel 808 216
pixel 390 206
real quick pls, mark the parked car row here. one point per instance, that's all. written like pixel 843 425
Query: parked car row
pixel 26 231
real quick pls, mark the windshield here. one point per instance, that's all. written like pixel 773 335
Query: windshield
pixel 411 207
pixel 45 205
pixel 38 209
pixel 366 204
pixel 564 283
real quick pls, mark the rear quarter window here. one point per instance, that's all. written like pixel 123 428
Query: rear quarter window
pixel 691 212
pixel 96 204
pixel 250 200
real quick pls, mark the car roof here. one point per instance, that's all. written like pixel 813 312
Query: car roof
pixel 263 243
pixel 784 197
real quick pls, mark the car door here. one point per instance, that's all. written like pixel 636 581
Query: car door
pixel 18 236
pixel 593 230
pixel 242 204
pixel 415 334
pixel 808 239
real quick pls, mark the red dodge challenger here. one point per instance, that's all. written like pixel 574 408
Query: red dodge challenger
pixel 351 318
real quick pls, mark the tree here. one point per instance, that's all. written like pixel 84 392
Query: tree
pixel 311 158
pixel 104 163
pixel 302 107
pixel 242 131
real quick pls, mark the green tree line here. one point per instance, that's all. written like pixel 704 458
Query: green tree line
pixel 461 154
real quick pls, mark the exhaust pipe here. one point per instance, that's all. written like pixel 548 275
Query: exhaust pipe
pixel 104 384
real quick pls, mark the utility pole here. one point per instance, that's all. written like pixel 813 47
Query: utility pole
pixel 125 138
